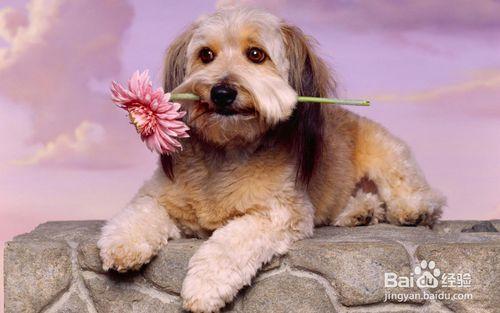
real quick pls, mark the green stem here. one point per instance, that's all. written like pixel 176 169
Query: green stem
pixel 184 96
pixel 190 96
pixel 333 101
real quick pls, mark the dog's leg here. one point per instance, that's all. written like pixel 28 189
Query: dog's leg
pixel 388 162
pixel 135 235
pixel 234 253
pixel 362 209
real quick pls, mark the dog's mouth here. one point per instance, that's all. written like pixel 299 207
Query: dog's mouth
pixel 209 108
pixel 225 111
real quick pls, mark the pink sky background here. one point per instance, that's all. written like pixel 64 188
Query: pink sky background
pixel 431 69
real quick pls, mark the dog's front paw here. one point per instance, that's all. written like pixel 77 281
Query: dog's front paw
pixel 209 285
pixel 201 294
pixel 123 253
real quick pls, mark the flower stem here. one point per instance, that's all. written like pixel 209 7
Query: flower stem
pixel 190 96
pixel 184 96
pixel 333 101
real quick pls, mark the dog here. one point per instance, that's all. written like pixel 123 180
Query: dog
pixel 260 170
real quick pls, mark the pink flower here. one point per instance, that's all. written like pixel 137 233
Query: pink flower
pixel 157 120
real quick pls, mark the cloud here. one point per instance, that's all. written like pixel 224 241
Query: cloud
pixel 496 213
pixel 50 62
pixel 56 52
pixel 478 95
pixel 77 147
pixel 24 28
pixel 11 21
pixel 270 5
pixel 487 81
pixel 404 15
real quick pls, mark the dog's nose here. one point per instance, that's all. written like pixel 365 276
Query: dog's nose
pixel 223 95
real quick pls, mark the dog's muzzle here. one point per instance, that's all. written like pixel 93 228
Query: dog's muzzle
pixel 223 95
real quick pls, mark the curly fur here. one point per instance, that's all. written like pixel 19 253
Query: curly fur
pixel 255 182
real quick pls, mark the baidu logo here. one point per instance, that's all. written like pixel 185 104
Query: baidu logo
pixel 428 277
pixel 425 275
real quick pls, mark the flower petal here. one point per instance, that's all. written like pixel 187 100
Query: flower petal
pixel 156 119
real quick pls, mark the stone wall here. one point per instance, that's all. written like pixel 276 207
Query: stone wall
pixel 56 268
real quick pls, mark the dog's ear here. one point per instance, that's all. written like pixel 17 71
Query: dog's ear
pixel 176 60
pixel 309 75
pixel 174 72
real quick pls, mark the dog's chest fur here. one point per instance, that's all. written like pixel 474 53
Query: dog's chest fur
pixel 208 191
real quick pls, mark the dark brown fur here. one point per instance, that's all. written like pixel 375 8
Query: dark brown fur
pixel 309 76
pixel 174 73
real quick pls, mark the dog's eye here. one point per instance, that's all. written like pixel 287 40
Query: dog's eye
pixel 256 55
pixel 206 55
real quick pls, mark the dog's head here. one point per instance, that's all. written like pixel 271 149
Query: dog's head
pixel 248 67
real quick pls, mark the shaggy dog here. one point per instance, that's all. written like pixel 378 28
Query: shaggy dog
pixel 260 171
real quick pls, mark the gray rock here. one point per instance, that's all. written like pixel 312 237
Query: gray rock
pixel 481 261
pixel 75 231
pixel 457 226
pixel 286 294
pixel 339 269
pixel 168 269
pixel 88 256
pixel 485 226
pixel 35 273
pixel 74 304
pixel 392 309
pixel 390 233
pixel 124 293
pixel 356 270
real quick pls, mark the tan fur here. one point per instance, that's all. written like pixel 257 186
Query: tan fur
pixel 361 209
pixel 335 178
pixel 215 191
pixel 237 182
pixel 388 161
